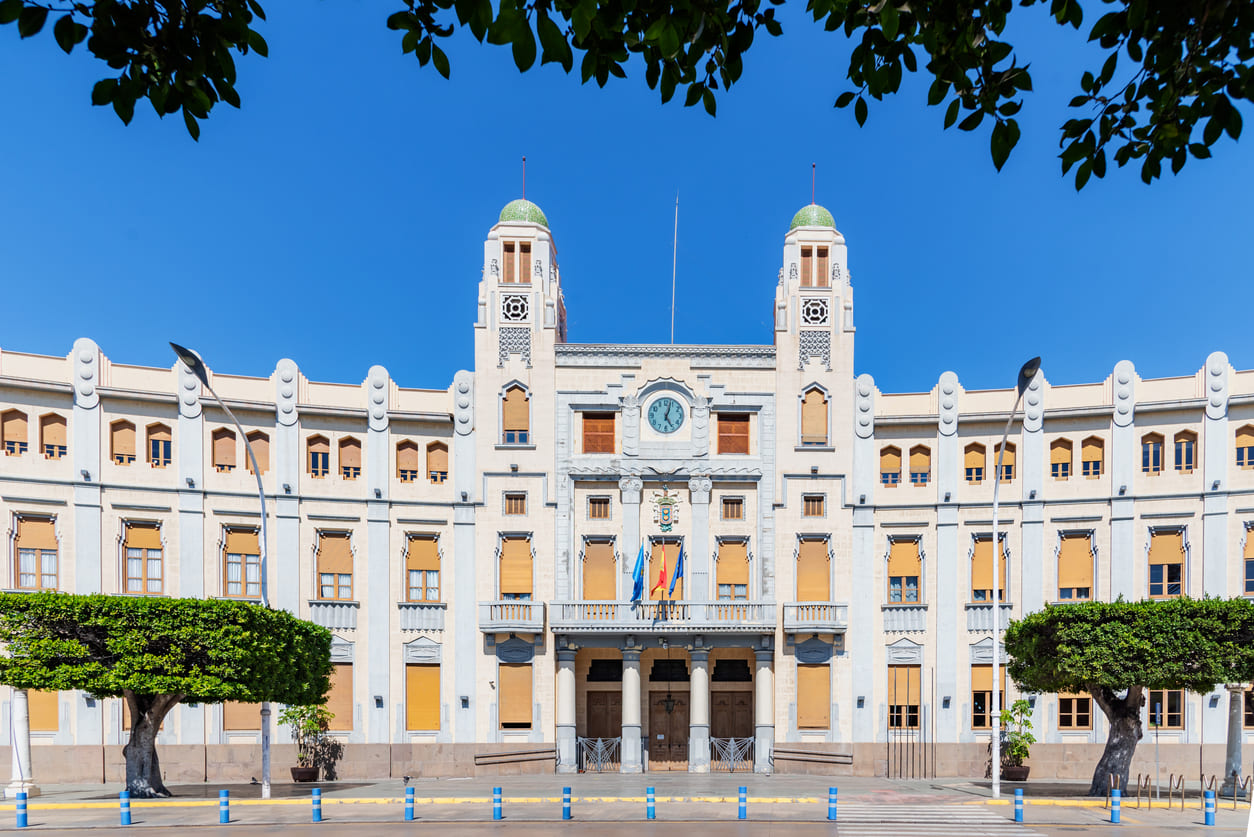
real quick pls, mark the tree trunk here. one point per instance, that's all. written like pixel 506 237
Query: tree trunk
pixel 143 770
pixel 1124 717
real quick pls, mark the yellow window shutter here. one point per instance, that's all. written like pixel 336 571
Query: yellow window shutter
pixel 243 542
pixel 143 536
pixel 973 456
pixel 36 533
pixel 122 436
pixel 335 553
pixel 814 415
pixel 340 697
pixel 514 682
pixel 982 566
pixel 733 562
pixel 814 689
pixel 903 558
pixel 224 447
pixel 920 460
pixel 516 566
pixel 890 461
pixel 1075 562
pixel 903 685
pixel 52 430
pixel 407 456
pixel 813 575
pixel 514 410
pixel 423 553
pixel 43 708
pixel 598 571
pixel 350 453
pixel 241 716
pixel 1166 548
pixel 422 697
pixel 260 443
pixel 437 457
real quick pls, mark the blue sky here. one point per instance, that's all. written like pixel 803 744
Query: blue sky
pixel 338 218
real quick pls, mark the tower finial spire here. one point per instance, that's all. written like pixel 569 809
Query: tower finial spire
pixel 813 167
pixel 524 177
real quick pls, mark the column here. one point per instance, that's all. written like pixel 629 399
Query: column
pixel 466 636
pixel 947 598
pixel 630 487
pixel 698 557
pixel 379 602
pixel 1232 762
pixel 631 762
pixel 1127 575
pixel 565 712
pixel 19 717
pixel 763 709
pixel 89 560
pixel 699 712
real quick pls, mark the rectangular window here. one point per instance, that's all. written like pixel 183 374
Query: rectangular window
pixel 159 446
pixel 1075 568
pixel 814 577
pixel 822 277
pixel 243 563
pixel 516 503
pixel 733 570
pixel 1248 558
pixel 598 508
pixel 904 569
pixel 1166 565
pixel 44 710
pixel 422 569
pixel 662 566
pixel 516 267
pixel 904 697
pixel 814 696
pixel 335 566
pixel 982 695
pixel 982 571
pixel 422 697
pixel 1075 711
pixel 36 551
pixel 1165 708
pixel 813 505
pixel 516 582
pixel 807 267
pixel 1060 470
pixel 514 702
pixel 733 433
pixel 598 432
pixel 340 697
pixel 143 550
pixel 733 508
pixel 599 570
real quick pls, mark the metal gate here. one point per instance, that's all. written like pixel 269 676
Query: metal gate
pixel 599 755
pixel 730 755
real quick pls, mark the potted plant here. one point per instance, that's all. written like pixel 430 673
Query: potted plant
pixel 1016 738
pixel 309 724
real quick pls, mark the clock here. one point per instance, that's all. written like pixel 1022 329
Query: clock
pixel 666 415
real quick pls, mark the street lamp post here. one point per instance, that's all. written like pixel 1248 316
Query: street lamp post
pixel 197 367
pixel 1026 374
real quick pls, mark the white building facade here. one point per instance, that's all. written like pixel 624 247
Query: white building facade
pixel 473 549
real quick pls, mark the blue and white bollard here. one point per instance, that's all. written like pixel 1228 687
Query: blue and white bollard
pixel 21 809
pixel 1115 794
pixel 409 804
pixel 650 811
pixel 124 807
pixel 1210 808
pixel 224 807
pixel 740 811
pixel 565 803
pixel 317 804
pixel 496 803
pixel 1018 804
pixel 831 804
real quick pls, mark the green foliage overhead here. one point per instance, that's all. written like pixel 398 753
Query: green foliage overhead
pixel 1166 88
pixel 1193 644
pixel 205 651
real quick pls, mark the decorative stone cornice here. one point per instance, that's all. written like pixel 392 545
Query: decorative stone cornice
pixel 594 354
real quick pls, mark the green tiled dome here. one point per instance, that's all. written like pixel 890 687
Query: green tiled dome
pixel 527 212
pixel 808 216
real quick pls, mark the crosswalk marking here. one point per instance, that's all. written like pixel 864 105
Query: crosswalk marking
pixel 861 819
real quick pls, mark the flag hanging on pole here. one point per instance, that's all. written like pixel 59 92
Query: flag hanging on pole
pixel 661 576
pixel 637 577
pixel 679 569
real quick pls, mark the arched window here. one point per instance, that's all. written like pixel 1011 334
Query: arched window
pixel 52 436
pixel 890 466
pixel 515 417
pixel 1152 453
pixel 122 442
pixel 1092 455
pixel 1060 459
pixel 1245 447
pixel 224 449
pixel 814 418
pixel 407 461
pixel 437 462
pixel 350 458
pixel 260 444
pixel 159 445
pixel 1186 451
pixel 1007 461
pixel 13 431
pixel 973 462
pixel 318 457
pixel 920 465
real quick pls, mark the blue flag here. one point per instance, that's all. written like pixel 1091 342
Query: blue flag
pixel 637 577
pixel 679 570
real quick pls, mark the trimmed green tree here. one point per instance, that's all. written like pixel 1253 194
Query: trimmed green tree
pixel 1116 651
pixel 156 652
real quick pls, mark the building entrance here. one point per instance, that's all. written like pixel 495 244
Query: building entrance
pixel 605 714
pixel 668 731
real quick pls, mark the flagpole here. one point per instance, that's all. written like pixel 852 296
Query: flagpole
pixel 674 257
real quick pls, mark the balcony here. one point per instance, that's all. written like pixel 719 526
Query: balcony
pixel 660 617
pixel 333 614
pixel 422 616
pixel 517 616
pixel 980 617
pixel 816 617
pixel 905 617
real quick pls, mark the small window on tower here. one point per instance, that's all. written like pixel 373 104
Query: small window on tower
pixel 598 508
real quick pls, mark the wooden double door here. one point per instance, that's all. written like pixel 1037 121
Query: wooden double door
pixel 605 714
pixel 668 731
pixel 732 714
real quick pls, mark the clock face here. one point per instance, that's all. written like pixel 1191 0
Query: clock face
pixel 666 415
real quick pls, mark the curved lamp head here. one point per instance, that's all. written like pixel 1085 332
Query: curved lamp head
pixel 1026 374
pixel 193 362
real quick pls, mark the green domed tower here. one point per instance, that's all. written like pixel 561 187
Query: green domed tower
pixel 812 215
pixel 524 211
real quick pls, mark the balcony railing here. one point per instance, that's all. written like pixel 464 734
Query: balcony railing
pixel 606 616
pixel 980 616
pixel 905 617
pixel 511 615
pixel 816 617
pixel 422 616
pixel 333 614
